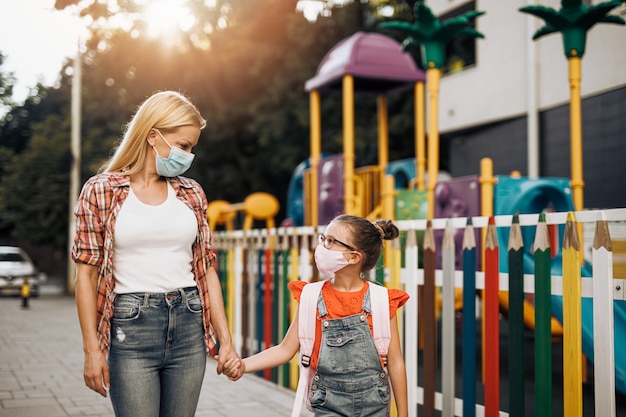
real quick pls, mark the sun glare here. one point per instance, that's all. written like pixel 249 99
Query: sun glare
pixel 311 9
pixel 164 17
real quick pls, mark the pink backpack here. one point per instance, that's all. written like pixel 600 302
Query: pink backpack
pixel 306 333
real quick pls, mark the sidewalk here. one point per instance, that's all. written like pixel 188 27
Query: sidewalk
pixel 41 366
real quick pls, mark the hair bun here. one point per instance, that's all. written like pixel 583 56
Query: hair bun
pixel 389 231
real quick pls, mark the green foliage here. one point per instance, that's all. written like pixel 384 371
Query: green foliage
pixel 34 189
pixel 7 81
pixel 573 20
pixel 248 84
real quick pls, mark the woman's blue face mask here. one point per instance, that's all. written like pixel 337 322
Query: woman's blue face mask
pixel 177 163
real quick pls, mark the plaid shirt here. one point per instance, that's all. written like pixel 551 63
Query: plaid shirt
pixel 97 208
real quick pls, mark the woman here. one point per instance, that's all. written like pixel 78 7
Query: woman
pixel 148 297
pixel 347 370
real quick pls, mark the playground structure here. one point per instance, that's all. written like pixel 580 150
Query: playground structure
pixel 256 265
pixel 256 206
pixel 375 64
pixel 325 186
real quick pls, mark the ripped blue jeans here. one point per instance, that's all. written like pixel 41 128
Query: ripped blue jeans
pixel 157 356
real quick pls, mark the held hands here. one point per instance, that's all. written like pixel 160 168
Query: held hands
pixel 234 369
pixel 229 363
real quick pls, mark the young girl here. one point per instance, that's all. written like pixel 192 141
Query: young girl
pixel 349 377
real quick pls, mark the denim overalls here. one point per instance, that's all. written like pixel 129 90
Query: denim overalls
pixel 350 380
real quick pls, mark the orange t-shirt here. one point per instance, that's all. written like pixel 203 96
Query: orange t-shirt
pixel 341 304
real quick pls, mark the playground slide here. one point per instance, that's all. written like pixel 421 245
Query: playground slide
pixel 587 321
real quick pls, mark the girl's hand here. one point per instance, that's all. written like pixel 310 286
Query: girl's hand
pixel 233 368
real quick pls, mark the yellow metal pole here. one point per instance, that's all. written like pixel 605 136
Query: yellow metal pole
pixel 386 182
pixel 316 146
pixel 388 197
pixel 348 145
pixel 432 84
pixel 576 142
pixel 420 135
pixel 383 154
pixel 387 213
pixel 487 181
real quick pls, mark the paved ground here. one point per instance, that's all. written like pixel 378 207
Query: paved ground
pixel 41 363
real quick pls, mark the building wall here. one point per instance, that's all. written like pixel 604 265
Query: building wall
pixel 497 87
pixel 604 147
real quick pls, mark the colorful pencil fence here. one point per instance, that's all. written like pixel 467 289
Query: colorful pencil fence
pixel 469 321
pixel 543 317
pixel 516 320
pixel 255 267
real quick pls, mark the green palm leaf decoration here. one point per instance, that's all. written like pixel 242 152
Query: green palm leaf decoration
pixel 573 20
pixel 433 35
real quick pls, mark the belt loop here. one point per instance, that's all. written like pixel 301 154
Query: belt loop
pixel 146 300
pixel 183 296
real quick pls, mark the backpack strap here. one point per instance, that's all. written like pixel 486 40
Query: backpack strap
pixel 306 334
pixel 381 323
pixel 380 319
pixel 306 320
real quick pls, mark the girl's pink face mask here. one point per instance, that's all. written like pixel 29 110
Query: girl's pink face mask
pixel 329 261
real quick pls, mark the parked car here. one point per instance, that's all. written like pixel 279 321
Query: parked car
pixel 15 267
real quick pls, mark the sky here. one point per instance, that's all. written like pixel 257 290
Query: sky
pixel 36 40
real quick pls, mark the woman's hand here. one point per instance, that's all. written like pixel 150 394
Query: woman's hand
pixel 229 363
pixel 96 373
pixel 96 369
pixel 233 369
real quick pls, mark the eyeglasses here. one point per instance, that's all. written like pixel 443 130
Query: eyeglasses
pixel 328 242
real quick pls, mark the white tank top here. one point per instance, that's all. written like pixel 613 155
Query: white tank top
pixel 153 245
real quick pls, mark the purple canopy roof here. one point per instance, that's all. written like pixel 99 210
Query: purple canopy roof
pixel 376 62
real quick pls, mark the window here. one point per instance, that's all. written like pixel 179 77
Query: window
pixel 461 51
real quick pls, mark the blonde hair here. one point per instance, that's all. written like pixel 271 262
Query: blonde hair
pixel 164 110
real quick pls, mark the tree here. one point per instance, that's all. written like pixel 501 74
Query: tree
pixel 34 190
pixel 7 81
pixel 249 85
